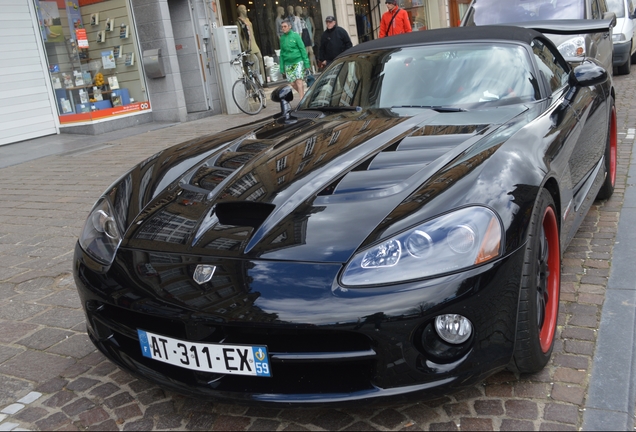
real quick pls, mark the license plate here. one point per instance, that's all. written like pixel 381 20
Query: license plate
pixel 206 357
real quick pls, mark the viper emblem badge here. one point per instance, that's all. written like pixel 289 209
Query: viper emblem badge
pixel 203 273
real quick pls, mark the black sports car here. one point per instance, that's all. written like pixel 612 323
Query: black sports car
pixel 400 231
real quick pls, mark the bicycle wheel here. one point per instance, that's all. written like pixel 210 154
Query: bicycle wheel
pixel 247 97
pixel 261 90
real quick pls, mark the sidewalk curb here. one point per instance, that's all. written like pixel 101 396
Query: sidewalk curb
pixel 611 392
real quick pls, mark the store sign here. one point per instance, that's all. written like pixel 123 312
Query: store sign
pixel 104 113
pixel 82 40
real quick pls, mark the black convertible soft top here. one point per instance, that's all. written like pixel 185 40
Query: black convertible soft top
pixel 488 32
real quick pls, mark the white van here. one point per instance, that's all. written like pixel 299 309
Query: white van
pixel 595 45
pixel 623 34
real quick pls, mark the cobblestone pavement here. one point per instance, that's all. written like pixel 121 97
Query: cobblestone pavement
pixel 52 378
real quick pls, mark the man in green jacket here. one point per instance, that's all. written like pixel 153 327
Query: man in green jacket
pixel 293 57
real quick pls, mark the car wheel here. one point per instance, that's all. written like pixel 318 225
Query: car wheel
pixel 625 69
pixel 611 156
pixel 540 287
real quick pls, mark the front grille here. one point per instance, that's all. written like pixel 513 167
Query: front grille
pixel 303 360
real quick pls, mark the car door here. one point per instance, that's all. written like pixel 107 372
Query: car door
pixel 564 118
pixel 592 113
pixel 572 154
pixel 601 47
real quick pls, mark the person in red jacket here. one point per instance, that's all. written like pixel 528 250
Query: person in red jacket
pixel 394 21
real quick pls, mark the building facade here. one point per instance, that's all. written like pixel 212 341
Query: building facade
pixel 93 66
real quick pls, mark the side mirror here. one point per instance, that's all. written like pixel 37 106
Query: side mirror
pixel 284 95
pixel 588 74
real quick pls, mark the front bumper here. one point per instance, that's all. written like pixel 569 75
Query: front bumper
pixel 621 53
pixel 327 344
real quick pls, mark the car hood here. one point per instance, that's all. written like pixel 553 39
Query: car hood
pixel 309 191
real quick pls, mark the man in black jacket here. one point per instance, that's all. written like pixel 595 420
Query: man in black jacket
pixel 333 41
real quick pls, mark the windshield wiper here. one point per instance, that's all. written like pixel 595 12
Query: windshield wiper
pixel 434 108
pixel 336 108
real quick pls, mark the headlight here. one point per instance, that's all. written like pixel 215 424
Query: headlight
pixel 101 236
pixel 574 47
pixel 461 239
pixel 618 37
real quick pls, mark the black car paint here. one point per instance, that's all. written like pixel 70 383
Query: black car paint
pixel 381 317
pixel 300 201
pixel 387 321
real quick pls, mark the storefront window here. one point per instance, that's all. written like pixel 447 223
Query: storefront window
pixel 457 9
pixel 417 11
pixel 265 16
pixel 363 20
pixel 93 58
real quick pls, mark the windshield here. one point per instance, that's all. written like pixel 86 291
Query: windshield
pixel 512 11
pixel 616 6
pixel 449 75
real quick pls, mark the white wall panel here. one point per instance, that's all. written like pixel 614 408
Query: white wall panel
pixel 24 100
pixel 25 76
pixel 27 107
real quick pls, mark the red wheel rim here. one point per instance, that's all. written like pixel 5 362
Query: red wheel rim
pixel 613 147
pixel 549 282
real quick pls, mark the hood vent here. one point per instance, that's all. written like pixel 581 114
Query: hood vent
pixel 243 213
pixel 400 160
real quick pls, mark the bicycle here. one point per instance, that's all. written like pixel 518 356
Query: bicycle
pixel 247 92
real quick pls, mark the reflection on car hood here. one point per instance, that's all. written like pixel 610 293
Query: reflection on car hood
pixel 310 191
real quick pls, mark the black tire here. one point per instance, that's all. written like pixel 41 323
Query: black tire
pixel 540 288
pixel 247 96
pixel 611 156
pixel 625 68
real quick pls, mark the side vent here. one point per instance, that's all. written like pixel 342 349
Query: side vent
pixel 243 213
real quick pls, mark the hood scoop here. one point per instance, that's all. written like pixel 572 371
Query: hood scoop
pixel 243 213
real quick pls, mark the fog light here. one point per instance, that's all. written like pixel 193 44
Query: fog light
pixel 454 329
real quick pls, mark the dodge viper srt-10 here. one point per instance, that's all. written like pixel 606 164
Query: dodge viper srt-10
pixel 399 231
